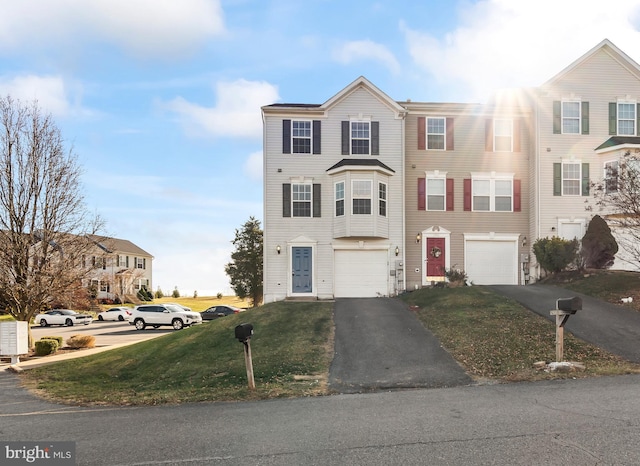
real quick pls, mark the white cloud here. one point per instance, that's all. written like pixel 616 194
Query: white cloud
pixel 351 52
pixel 140 27
pixel 236 114
pixel 50 92
pixel 253 166
pixel 502 43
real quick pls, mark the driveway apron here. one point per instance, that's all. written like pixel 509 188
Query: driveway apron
pixel 608 326
pixel 380 344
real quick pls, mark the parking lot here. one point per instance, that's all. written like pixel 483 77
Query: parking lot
pixel 107 333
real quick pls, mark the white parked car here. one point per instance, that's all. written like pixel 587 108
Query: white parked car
pixel 163 314
pixel 62 317
pixel 120 313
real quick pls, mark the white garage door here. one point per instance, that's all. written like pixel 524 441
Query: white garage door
pixel 491 262
pixel 361 274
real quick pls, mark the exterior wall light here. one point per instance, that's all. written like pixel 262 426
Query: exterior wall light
pixel 397 250
pixel 418 237
pixel 278 249
pixel 524 241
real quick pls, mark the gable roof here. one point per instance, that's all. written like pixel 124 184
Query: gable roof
pixel 364 83
pixel 607 46
pixel 115 245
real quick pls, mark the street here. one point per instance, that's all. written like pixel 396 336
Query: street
pixel 588 421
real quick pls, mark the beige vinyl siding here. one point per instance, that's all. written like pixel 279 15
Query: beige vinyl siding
pixel 469 156
pixel 600 79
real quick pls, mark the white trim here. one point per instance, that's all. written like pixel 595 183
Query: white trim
pixel 434 232
pixel 302 242
pixel 497 237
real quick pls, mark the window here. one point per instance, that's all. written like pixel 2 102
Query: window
pixel 301 200
pixel 436 133
pixel 140 263
pixel 104 286
pixel 571 179
pixel 360 137
pixel 361 196
pixel 571 117
pixel 503 130
pixel 340 199
pixel 435 194
pixel 611 173
pixel 382 199
pixel 492 195
pixel 626 118
pixel 122 261
pixel 301 137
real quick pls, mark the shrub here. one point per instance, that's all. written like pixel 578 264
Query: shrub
pixel 555 254
pixel 81 341
pixel 176 293
pixel 159 294
pixel 195 294
pixel 456 276
pixel 219 296
pixel 45 347
pixel 60 340
pixel 599 247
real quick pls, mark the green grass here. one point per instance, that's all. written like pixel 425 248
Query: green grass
pixel 494 337
pixel 205 362
pixel 607 285
pixel 6 317
pixel 491 336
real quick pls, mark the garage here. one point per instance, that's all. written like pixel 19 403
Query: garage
pixel 361 273
pixel 491 261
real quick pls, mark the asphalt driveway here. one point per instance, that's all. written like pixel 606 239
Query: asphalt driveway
pixel 380 344
pixel 611 327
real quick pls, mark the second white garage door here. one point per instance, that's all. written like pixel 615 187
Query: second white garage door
pixel 361 274
pixel 491 262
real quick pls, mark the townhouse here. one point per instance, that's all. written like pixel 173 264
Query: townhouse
pixel 366 196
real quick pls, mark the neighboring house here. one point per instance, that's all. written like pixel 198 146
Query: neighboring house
pixel 587 118
pixel 366 196
pixel 119 268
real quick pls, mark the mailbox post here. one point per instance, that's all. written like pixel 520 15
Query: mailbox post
pixel 565 307
pixel 243 334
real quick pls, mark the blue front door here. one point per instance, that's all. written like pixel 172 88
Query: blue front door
pixel 301 270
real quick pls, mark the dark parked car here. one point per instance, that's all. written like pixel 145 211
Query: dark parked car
pixel 220 311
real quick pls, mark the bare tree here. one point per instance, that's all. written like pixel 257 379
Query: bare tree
pixel 618 196
pixel 43 220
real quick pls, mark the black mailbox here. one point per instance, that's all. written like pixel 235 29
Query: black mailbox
pixel 244 332
pixel 570 305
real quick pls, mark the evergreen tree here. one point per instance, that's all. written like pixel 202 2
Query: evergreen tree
pixel 245 268
pixel 599 247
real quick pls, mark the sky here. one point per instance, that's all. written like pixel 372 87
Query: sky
pixel 160 99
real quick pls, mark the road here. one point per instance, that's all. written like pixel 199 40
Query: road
pixel 589 421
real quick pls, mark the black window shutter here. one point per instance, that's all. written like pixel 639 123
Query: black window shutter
pixel 375 138
pixel 346 137
pixel 585 117
pixel 316 200
pixel 585 179
pixel 286 136
pixel 557 179
pixel 613 118
pixel 286 200
pixel 316 136
pixel 637 119
pixel 557 117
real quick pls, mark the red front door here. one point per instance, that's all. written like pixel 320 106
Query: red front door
pixel 435 257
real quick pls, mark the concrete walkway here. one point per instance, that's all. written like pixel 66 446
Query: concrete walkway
pixel 608 326
pixel 380 344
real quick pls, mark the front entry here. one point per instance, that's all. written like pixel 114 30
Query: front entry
pixel 301 270
pixel 435 257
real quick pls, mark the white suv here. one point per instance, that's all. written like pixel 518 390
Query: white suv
pixel 163 314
